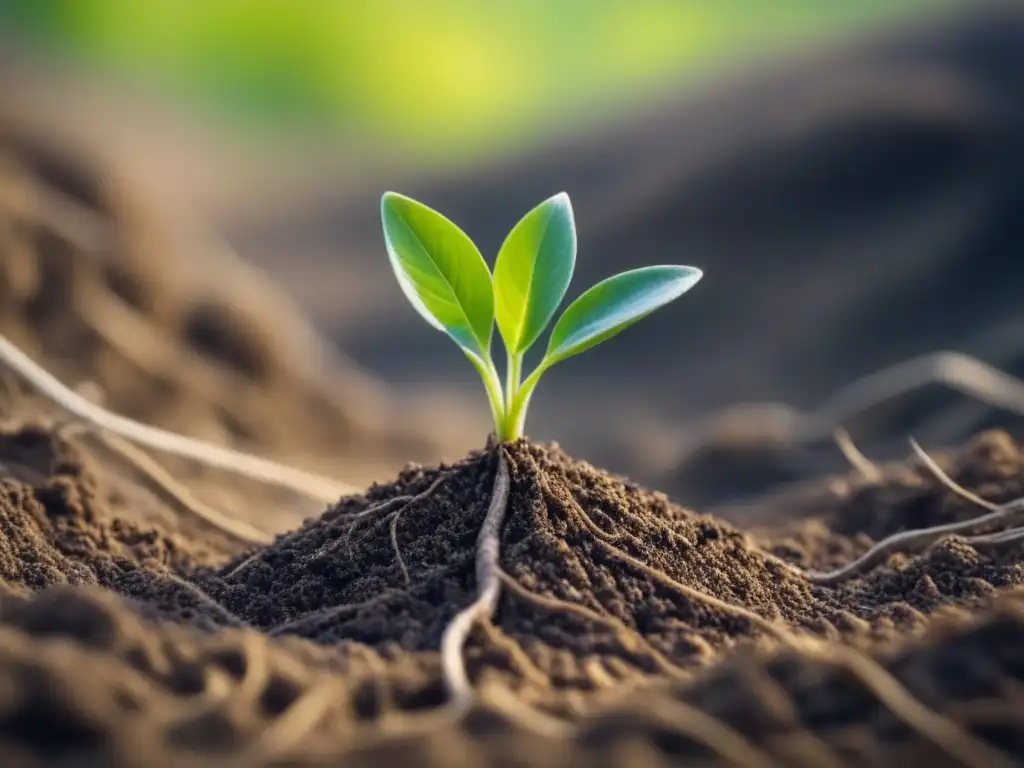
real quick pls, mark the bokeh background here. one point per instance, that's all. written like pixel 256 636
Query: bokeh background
pixel 850 176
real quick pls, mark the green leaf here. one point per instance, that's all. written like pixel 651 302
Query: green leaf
pixel 532 272
pixel 613 305
pixel 441 272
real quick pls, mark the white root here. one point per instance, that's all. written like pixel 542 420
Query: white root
pixel 271 472
pixel 982 530
pixel 488 590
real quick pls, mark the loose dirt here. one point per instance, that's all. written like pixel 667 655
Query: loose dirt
pixel 653 630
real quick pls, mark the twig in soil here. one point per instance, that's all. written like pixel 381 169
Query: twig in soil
pixel 618 628
pixel 852 453
pixel 940 730
pixel 178 494
pixel 1009 515
pixel 267 471
pixel 488 590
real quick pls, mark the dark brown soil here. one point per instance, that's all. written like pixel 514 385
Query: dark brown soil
pixel 139 643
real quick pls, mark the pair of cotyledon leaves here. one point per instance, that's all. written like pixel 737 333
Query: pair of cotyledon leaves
pixel 446 279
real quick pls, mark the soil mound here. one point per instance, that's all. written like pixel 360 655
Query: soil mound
pixel 660 634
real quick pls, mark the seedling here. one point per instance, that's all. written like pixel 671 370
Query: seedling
pixel 446 279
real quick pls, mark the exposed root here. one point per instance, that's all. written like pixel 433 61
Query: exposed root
pixel 691 593
pixel 394 545
pixel 488 589
pixel 861 463
pixel 914 541
pixel 297 722
pixel 401 502
pixel 177 494
pixel 693 723
pixel 940 730
pixel 933 467
pixel 515 652
pixel 335 611
pixel 778 700
pixel 593 527
pixel 617 627
pixel 201 595
pixel 952 369
pixel 398 504
pixel 997 540
pixel 978 530
pixel 267 471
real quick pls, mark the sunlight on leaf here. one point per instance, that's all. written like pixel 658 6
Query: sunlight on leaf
pixel 440 271
pixel 533 270
pixel 613 305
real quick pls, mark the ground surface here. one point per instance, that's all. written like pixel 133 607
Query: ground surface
pixel 143 641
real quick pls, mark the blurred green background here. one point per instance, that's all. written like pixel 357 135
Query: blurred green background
pixel 425 76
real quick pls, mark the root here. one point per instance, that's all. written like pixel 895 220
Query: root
pixel 515 652
pixel 691 593
pixel 933 466
pixel 394 545
pixel 940 730
pixel 385 506
pixel 1009 515
pixel 335 611
pixel 952 369
pixel 912 541
pixel 695 724
pixel 776 699
pixel 861 463
pixel 314 486
pixel 205 599
pixel 297 722
pixel 617 627
pixel 177 494
pixel 488 589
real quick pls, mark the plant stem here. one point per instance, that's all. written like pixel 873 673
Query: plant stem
pixel 515 418
pixel 492 383
pixel 513 375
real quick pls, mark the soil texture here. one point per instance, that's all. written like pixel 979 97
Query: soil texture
pixel 655 633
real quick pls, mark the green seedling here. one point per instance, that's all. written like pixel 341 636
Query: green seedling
pixel 446 279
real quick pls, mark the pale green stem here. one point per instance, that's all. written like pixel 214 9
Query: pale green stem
pixel 515 418
pixel 492 383
pixel 513 377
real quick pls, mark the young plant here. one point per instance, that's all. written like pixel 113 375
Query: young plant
pixel 446 279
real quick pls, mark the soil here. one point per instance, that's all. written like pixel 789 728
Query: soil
pixel 142 643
